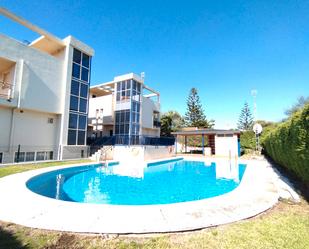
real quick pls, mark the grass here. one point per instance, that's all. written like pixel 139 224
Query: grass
pixel 17 168
pixel 285 226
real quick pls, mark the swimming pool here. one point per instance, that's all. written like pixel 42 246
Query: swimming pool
pixel 164 182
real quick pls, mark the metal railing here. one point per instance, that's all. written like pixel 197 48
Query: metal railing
pixel 131 140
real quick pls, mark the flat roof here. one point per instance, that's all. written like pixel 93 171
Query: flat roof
pixel 206 132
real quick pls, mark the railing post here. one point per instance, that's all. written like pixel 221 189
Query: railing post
pixel 18 153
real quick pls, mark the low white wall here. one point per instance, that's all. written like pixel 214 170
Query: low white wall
pixel 131 154
pixel 74 152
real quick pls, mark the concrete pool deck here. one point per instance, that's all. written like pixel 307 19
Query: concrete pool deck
pixel 258 191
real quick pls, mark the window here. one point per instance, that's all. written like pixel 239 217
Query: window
pixel 74 103
pixel 72 137
pixel 84 90
pixel 75 87
pixel 83 105
pixel 81 137
pixel 79 98
pixel 82 122
pixel 20 157
pixel 1 157
pixel 30 156
pixel 73 121
pixel 85 74
pixel 50 155
pixel 40 155
pixel 86 60
pixel 76 71
pixel 77 56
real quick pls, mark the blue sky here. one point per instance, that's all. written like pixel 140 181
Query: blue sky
pixel 223 48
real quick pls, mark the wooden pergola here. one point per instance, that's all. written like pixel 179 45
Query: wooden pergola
pixel 210 133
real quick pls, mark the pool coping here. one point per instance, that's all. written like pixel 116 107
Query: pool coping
pixel 256 193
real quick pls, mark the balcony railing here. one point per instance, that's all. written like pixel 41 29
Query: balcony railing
pixel 5 90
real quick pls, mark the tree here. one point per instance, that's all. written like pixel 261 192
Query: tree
pixel 301 102
pixel 245 121
pixel 195 116
pixel 171 121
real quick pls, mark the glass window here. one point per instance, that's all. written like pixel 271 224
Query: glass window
pixel 127 117
pixel 74 103
pixel 129 84
pixel 137 107
pixel 83 105
pixel 73 121
pixel 117 117
pixel 118 96
pixel 75 87
pixel 122 117
pixel 30 156
pixel 76 71
pixel 77 56
pixel 134 85
pixel 21 157
pixel 126 130
pixel 123 85
pixel 116 129
pixel 85 74
pixel 72 137
pixel 83 90
pixel 121 129
pixel 118 86
pixel 82 122
pixel 138 87
pixel 40 155
pixel 86 60
pixel 50 155
pixel 81 138
pixel 134 106
pixel 1 156
pixel 128 93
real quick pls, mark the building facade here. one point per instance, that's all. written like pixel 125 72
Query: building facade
pixel 124 108
pixel 44 91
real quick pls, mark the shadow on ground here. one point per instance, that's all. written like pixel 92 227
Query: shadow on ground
pixel 300 187
pixel 9 241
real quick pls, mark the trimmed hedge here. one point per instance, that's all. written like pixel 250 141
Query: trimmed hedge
pixel 247 140
pixel 288 144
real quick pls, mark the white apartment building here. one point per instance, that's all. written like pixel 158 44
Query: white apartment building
pixel 125 108
pixel 44 88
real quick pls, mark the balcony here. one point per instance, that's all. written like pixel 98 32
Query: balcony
pixel 7 74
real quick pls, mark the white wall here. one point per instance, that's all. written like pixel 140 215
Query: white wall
pixel 148 106
pixel 134 154
pixel 226 146
pixel 104 102
pixel 41 88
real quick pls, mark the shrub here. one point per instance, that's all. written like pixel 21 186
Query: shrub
pixel 288 144
pixel 247 140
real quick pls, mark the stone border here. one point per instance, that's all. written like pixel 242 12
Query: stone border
pixel 256 193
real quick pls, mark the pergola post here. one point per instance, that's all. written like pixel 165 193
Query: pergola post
pixel 185 144
pixel 176 145
pixel 203 139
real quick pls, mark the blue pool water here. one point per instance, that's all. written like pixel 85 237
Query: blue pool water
pixel 159 183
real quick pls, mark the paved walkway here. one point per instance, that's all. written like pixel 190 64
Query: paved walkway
pixel 257 192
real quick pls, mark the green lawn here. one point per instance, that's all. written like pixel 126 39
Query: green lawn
pixel 285 226
pixel 17 168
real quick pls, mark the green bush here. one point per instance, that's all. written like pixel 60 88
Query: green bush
pixel 288 144
pixel 247 140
